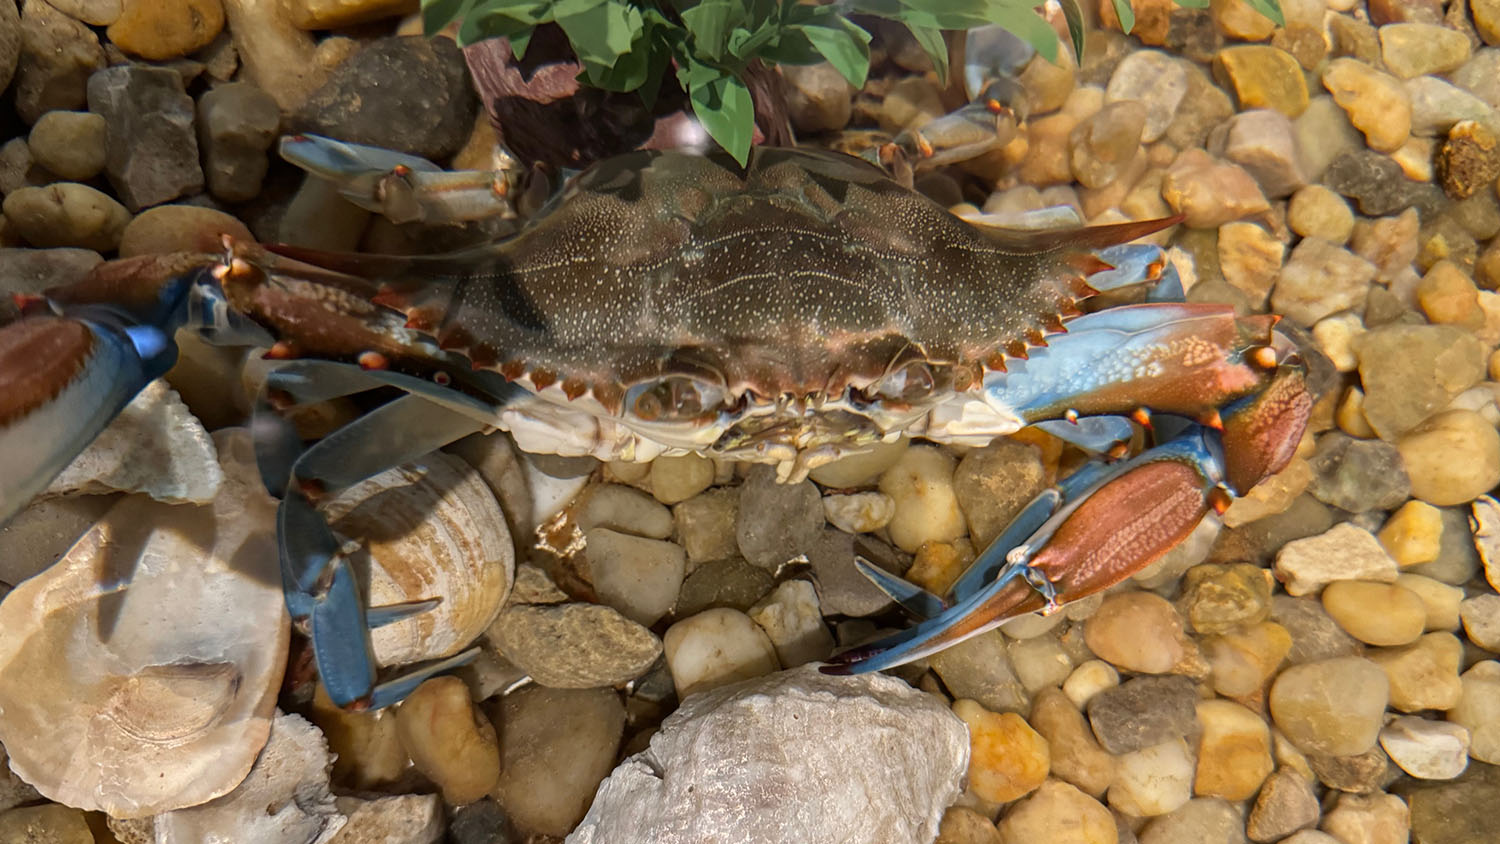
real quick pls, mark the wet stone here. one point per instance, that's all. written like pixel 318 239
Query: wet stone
pixel 1154 79
pixel 1481 618
pixel 1262 142
pixel 715 648
pixel 1250 258
pixel 565 738
pixel 1315 635
pixel 1376 613
pixel 1203 107
pixel 1480 75
pixel 1429 750
pixel 638 576
pixel 1409 371
pixel 1441 600
pixel 921 486
pixel 1153 781
pixel 623 509
pixel 1218 599
pixel 1422 675
pixel 1452 457
pixel 1377 185
pixel 1457 560
pixel 66 214
pixel 151 149
pixel 819 98
pixel 574 645
pixel 730 582
pixel 1076 755
pixel 993 484
pixel 979 669
pixel 966 826
pixel 1320 279
pixel 1210 193
pixel 1137 631
pixel 1242 661
pixel 1263 77
pixel 776 521
pixel 791 619
pixel 1049 810
pixel 1143 712
pixel 69 143
pixel 449 740
pixel 1345 552
pixel 1008 759
pixel 1199 820
pixel 49 823
pixel 57 56
pixel 1331 706
pixel 10 42
pixel 1358 475
pixel 1355 773
pixel 705 525
pixel 481 822
pixel 1376 818
pixel 1376 102
pixel 1437 106
pixel 1323 134
pixel 403 93
pixel 236 125
pixel 1469 160
pixel 166 29
pixel 1286 803
pixel 1390 243
pixel 1417 49
pixel 842 590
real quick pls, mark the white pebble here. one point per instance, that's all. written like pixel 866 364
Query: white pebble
pixel 791 618
pixel 639 577
pixel 715 648
pixel 619 507
pixel 1153 781
pixel 1478 710
pixel 1481 617
pixel 1428 750
pixel 1090 679
pixel 860 512
pixel 1345 552
pixel 921 485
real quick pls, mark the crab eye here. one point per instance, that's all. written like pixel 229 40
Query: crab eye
pixel 675 399
pixel 913 382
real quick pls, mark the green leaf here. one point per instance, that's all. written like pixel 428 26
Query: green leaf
pixel 930 38
pixel 844 45
pixel 743 43
pixel 1125 14
pixel 479 26
pixel 709 24
pixel 722 104
pixel 437 14
pixel 1269 8
pixel 792 47
pixel 1193 4
pixel 602 33
pixel 568 8
pixel 1074 16
pixel 1027 25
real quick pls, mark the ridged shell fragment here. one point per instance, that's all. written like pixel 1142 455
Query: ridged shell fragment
pixel 429 529
pixel 139 674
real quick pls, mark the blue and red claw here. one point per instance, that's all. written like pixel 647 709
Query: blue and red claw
pixel 1129 515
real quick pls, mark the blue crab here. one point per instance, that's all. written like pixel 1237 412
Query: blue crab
pixel 801 309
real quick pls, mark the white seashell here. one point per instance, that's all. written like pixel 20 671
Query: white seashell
pixel 139 674
pixel 154 446
pixel 429 529
pixel 284 799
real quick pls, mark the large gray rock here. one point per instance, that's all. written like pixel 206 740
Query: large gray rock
pixel 794 756
pixel 150 147
pixel 10 41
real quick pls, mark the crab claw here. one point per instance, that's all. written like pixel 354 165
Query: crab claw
pixel 1127 518
pixel 403 188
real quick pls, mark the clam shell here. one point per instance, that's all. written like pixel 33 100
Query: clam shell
pixel 428 529
pixel 139 674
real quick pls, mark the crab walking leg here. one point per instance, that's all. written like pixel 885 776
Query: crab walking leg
pixel 1098 539
pixel 403 188
pixel 318 580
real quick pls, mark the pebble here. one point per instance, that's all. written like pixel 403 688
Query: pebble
pixel 705 525
pixel 449 740
pixel 1142 712
pixel 1481 619
pixel 1154 79
pixel 1040 662
pixel 18 169
pixel 1089 679
pixel 1356 773
pixel 1008 759
pixel 1203 107
pixel 69 144
pixel 179 228
pixel 49 823
pixel 1418 49
pixel 730 582
pixel 402 93
pixel 1324 133
pixel 1285 804
pixel 1242 661
pixel 1198 820
pixel 776 521
pixel 58 54
pixel 10 42
pixel 1413 534
pixel 151 149
pixel 1455 812
pixel 397 819
pixel 965 826
pixel 1059 813
pixel 979 669
pixel 791 619
pixel 860 468
pixel 1358 475
pixel 1234 751
pixel 1331 706
pixel 1250 259
pixel 566 739
pixel 818 97
pixel 1153 781
pixel 574 645
pixel 992 485
pixel 1429 750
pixel 785 732
pixel 1262 141
pixel 1103 147
pixel 237 123
pixel 1376 102
pixel 1137 631
pixel 1320 279
pixel 336 14
pixel 1469 160
pixel 860 512
pixel 279 58
pixel 676 479
pixel 715 648
pixel 481 822
pixel 1376 613
pixel 1263 77
pixel 1210 193
pixel 921 486
pixel 1316 211
pixel 1410 371
pixel 1076 756
pixel 640 577
pixel 1447 296
pixel 1344 552
pixel 842 589
pixel 1478 710
pixel 1437 106
pixel 158 30
pixel 622 509
pixel 1368 819
pixel 1423 675
pixel 1452 457
pixel 66 214
pixel 1441 600
pixel 1219 599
